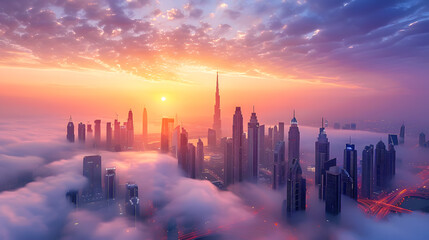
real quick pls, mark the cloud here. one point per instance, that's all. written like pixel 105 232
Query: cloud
pixel 174 13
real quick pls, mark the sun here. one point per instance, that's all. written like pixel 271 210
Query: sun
pixel 163 99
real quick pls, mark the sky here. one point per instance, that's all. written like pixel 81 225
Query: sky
pixel 345 60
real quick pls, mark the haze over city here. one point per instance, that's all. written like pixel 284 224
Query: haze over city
pixel 210 119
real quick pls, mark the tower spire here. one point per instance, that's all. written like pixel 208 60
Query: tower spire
pixel 323 123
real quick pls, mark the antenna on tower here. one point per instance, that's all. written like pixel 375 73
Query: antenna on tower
pixel 70 119
pixel 253 108
pixel 323 123
pixel 294 113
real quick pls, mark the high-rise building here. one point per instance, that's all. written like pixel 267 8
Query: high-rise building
pixel 384 165
pixel 237 145
pixel 322 187
pixel 183 152
pixel 144 127
pixel 333 191
pixel 261 145
pixel 253 164
pixel 166 129
pixel 211 138
pixel 322 154
pixel 228 162
pixel 110 183
pixel 97 133
pixel 402 135
pixel 367 172
pixel 117 135
pixel 130 130
pixel 393 139
pixel 89 133
pixel 279 169
pixel 70 131
pixel 191 161
pixel 296 189
pixel 216 117
pixel 175 141
pixel 81 132
pixel 346 183
pixel 350 165
pixel 92 171
pixel 124 136
pixel 73 197
pixel 275 135
pixel 199 162
pixel 132 201
pixel 422 140
pixel 294 138
pixel 281 131
pixel 108 135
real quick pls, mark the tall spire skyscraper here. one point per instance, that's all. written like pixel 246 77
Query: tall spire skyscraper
pixel 70 131
pixel 144 126
pixel 322 154
pixel 216 117
pixel 293 144
pixel 253 163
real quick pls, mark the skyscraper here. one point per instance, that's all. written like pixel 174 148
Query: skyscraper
pixel 322 154
pixel 211 138
pixel 70 131
pixel 81 132
pixel 350 165
pixel 237 145
pixel 279 168
pixel 347 183
pixel 382 167
pixel 333 191
pixel 294 138
pixel 296 189
pixel 228 162
pixel 261 145
pixel 175 141
pixel 402 135
pixel 216 117
pixel 367 172
pixel 144 128
pixel 110 183
pixel 253 129
pixel 108 135
pixel 391 155
pixel 281 131
pixel 92 171
pixel 97 133
pixel 130 130
pixel 322 187
pixel 422 139
pixel 199 163
pixel 132 201
pixel 89 133
pixel 117 135
pixel 191 161
pixel 166 129
pixel 183 152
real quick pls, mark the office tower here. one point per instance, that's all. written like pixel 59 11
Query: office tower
pixel 422 139
pixel 261 145
pixel 73 197
pixel 88 132
pixel 144 128
pixel 275 135
pixel 391 156
pixel 117 135
pixel 281 132
pixel 253 129
pixel 385 161
pixel 110 183
pixel 245 157
pixel 296 189
pixel 393 139
pixel 367 172
pixel 237 145
pixel 92 171
pixel 191 169
pixel 81 132
pixel 175 141
pixel 270 137
pixel 130 130
pixel 211 138
pixel 279 169
pixel 216 116
pixel 183 151
pixel 402 135
pixel 228 162
pixel 322 187
pixel 124 137
pixel 322 154
pixel 167 125
pixel 350 165
pixel 333 191
pixel 108 135
pixel 347 183
pixel 97 133
pixel 293 144
pixel 132 201
pixel 199 163
pixel 70 131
